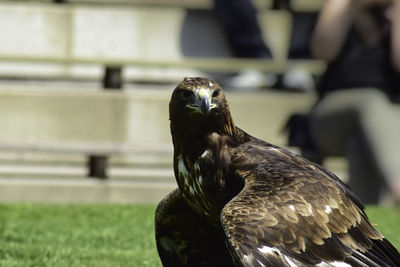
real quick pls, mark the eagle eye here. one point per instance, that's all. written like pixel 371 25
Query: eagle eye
pixel 216 93
pixel 186 94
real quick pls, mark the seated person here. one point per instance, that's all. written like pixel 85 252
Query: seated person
pixel 355 114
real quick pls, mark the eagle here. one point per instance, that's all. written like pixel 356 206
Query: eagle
pixel 242 201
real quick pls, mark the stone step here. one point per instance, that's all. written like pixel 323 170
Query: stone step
pixel 150 174
pixel 65 191
pixel 34 158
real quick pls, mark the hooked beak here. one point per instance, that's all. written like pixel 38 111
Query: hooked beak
pixel 204 104
pixel 202 101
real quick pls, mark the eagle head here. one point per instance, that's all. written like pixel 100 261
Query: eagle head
pixel 198 106
pixel 202 132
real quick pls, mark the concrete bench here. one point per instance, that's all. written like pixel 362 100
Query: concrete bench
pixel 77 41
pixel 195 4
pixel 296 5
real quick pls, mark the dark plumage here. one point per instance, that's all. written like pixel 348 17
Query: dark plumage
pixel 244 202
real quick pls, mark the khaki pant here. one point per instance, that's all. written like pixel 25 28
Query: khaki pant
pixel 364 126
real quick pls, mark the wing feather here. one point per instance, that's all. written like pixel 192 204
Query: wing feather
pixel 293 211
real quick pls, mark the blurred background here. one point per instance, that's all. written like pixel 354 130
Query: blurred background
pixel 85 86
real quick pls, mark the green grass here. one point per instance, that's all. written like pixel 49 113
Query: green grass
pixel 102 235
pixel 387 221
pixel 77 235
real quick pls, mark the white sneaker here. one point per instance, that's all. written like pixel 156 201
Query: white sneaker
pixel 251 79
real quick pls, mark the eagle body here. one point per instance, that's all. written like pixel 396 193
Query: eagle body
pixel 242 201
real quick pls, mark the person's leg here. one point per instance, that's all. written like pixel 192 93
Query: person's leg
pixel 333 122
pixel 239 18
pixel 365 180
pixel 381 125
pixel 343 114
